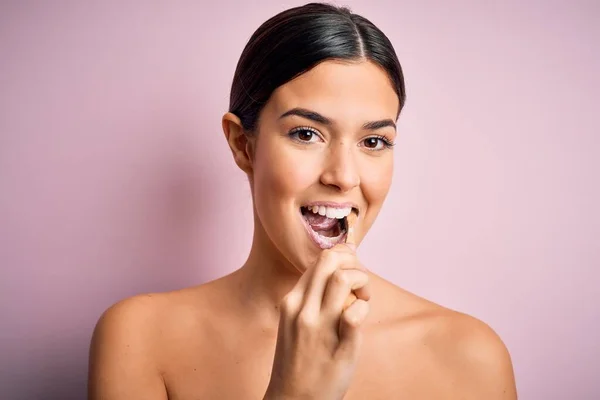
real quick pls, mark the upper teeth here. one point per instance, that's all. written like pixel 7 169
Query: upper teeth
pixel 331 212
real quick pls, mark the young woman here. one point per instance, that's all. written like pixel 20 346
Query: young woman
pixel 312 121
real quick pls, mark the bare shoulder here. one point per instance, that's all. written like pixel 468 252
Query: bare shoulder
pixel 122 362
pixel 146 319
pixel 474 354
pixel 465 351
pixel 127 346
pixel 138 318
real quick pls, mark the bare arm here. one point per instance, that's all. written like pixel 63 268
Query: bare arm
pixel 122 363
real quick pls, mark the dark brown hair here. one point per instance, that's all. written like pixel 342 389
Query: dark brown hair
pixel 296 40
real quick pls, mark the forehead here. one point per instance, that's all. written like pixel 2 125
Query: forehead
pixel 348 92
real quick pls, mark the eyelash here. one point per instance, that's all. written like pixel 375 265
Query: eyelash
pixel 300 129
pixel 387 143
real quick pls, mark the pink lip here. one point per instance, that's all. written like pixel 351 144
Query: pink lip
pixel 315 237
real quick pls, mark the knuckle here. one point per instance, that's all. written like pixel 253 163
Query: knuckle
pixel 351 320
pixel 339 277
pixel 355 318
pixel 289 304
pixel 306 320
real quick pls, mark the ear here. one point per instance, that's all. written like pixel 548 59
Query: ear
pixel 239 142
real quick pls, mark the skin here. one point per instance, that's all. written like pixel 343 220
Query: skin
pixel 217 340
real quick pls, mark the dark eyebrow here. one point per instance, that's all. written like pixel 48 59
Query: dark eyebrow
pixel 316 117
pixel 379 124
pixel 313 116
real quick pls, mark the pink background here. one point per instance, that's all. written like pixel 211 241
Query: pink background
pixel 115 178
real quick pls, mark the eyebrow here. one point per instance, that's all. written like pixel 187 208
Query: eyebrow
pixel 316 117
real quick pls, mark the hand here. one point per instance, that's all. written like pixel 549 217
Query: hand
pixel 318 340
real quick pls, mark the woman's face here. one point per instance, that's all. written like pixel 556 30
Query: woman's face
pixel 323 140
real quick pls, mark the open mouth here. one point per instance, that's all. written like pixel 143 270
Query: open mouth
pixel 325 225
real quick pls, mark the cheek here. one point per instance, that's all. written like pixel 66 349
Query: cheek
pixel 375 186
pixel 377 180
pixel 281 173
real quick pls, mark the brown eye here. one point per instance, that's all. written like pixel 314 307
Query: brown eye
pixel 377 143
pixel 371 142
pixel 305 135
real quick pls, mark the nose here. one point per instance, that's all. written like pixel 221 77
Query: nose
pixel 340 170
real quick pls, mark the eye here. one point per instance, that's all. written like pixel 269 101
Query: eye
pixel 304 134
pixel 377 143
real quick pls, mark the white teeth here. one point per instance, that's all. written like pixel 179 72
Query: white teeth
pixel 330 212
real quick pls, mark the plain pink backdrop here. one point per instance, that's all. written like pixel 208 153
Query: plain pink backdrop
pixel 115 178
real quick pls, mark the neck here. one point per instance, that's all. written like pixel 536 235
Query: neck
pixel 264 279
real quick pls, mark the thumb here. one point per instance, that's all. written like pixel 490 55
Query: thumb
pixel 351 245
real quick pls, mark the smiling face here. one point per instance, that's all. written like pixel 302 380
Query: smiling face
pixel 323 146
